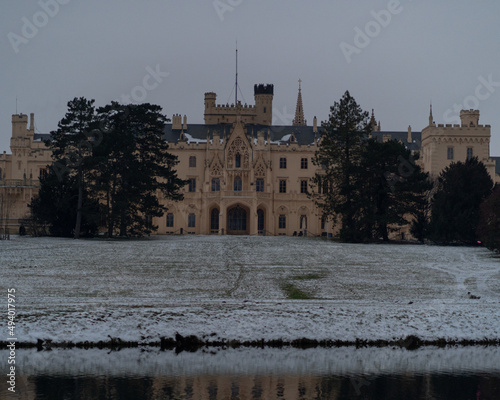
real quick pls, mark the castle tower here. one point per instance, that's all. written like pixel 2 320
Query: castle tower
pixel 210 98
pixel 299 110
pixel 263 95
pixel 469 117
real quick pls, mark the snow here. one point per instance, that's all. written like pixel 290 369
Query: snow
pixel 141 290
pixel 190 139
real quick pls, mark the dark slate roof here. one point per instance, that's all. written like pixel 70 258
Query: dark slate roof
pixel 279 133
pixel 41 136
pixel 402 136
pixel 304 135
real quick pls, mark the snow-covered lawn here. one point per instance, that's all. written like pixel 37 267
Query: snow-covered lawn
pixel 140 290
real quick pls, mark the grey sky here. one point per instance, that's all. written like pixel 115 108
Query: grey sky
pixel 444 51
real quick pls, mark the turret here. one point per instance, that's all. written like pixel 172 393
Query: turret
pixel 263 95
pixel 19 125
pixel 469 117
pixel 410 140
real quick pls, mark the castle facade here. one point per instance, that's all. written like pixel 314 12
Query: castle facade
pixel 246 175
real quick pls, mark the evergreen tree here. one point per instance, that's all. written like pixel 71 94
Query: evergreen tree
pixel 339 155
pixel 488 228
pixel 392 189
pixel 462 187
pixel 56 206
pixel 133 167
pixel 72 146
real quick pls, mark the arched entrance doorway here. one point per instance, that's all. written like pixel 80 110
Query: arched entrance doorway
pixel 237 220
pixel 214 221
pixel 261 223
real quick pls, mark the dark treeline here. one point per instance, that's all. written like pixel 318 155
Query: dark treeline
pixel 109 166
pixel 373 188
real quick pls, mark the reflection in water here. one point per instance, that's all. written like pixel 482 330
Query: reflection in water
pixel 345 373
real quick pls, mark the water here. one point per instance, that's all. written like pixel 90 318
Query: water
pixel 234 288
pixel 342 373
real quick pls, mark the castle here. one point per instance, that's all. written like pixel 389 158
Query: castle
pixel 246 175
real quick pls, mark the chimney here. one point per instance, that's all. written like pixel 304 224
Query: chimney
pixel 315 124
pixel 32 122
pixel 409 134
pixel 184 125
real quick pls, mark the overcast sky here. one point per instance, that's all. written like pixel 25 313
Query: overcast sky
pixel 395 57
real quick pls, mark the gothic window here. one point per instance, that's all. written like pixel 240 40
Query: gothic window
pixel 191 220
pixel 260 220
pixel 469 153
pixel 214 220
pixel 303 186
pixel 259 185
pixel 323 222
pixel 192 162
pixel 450 153
pixel 215 184
pixel 237 187
pixel 43 173
pixel 237 161
pixel 283 162
pixel 265 110
pixel 303 163
pixel 326 187
pixel 282 221
pixel 192 184
pixel 170 220
pixel 282 185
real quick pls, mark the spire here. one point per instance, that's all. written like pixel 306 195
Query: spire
pixel 431 119
pixel 373 122
pixel 299 110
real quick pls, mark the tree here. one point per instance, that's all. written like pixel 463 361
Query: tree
pixel 339 155
pixel 72 146
pixel 462 186
pixel 488 229
pixel 133 166
pixel 56 206
pixel 392 189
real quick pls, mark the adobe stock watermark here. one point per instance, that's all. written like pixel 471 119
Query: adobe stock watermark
pixel 224 6
pixel 11 339
pixel 482 92
pixel 31 26
pixel 363 37
pixel 150 81
pixel 405 170
pixel 281 119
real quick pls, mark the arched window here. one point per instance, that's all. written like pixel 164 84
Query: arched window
pixel 237 160
pixel 237 184
pixel 192 162
pixel 260 220
pixel 214 221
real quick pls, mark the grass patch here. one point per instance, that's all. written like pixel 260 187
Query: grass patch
pixel 306 277
pixel 294 293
